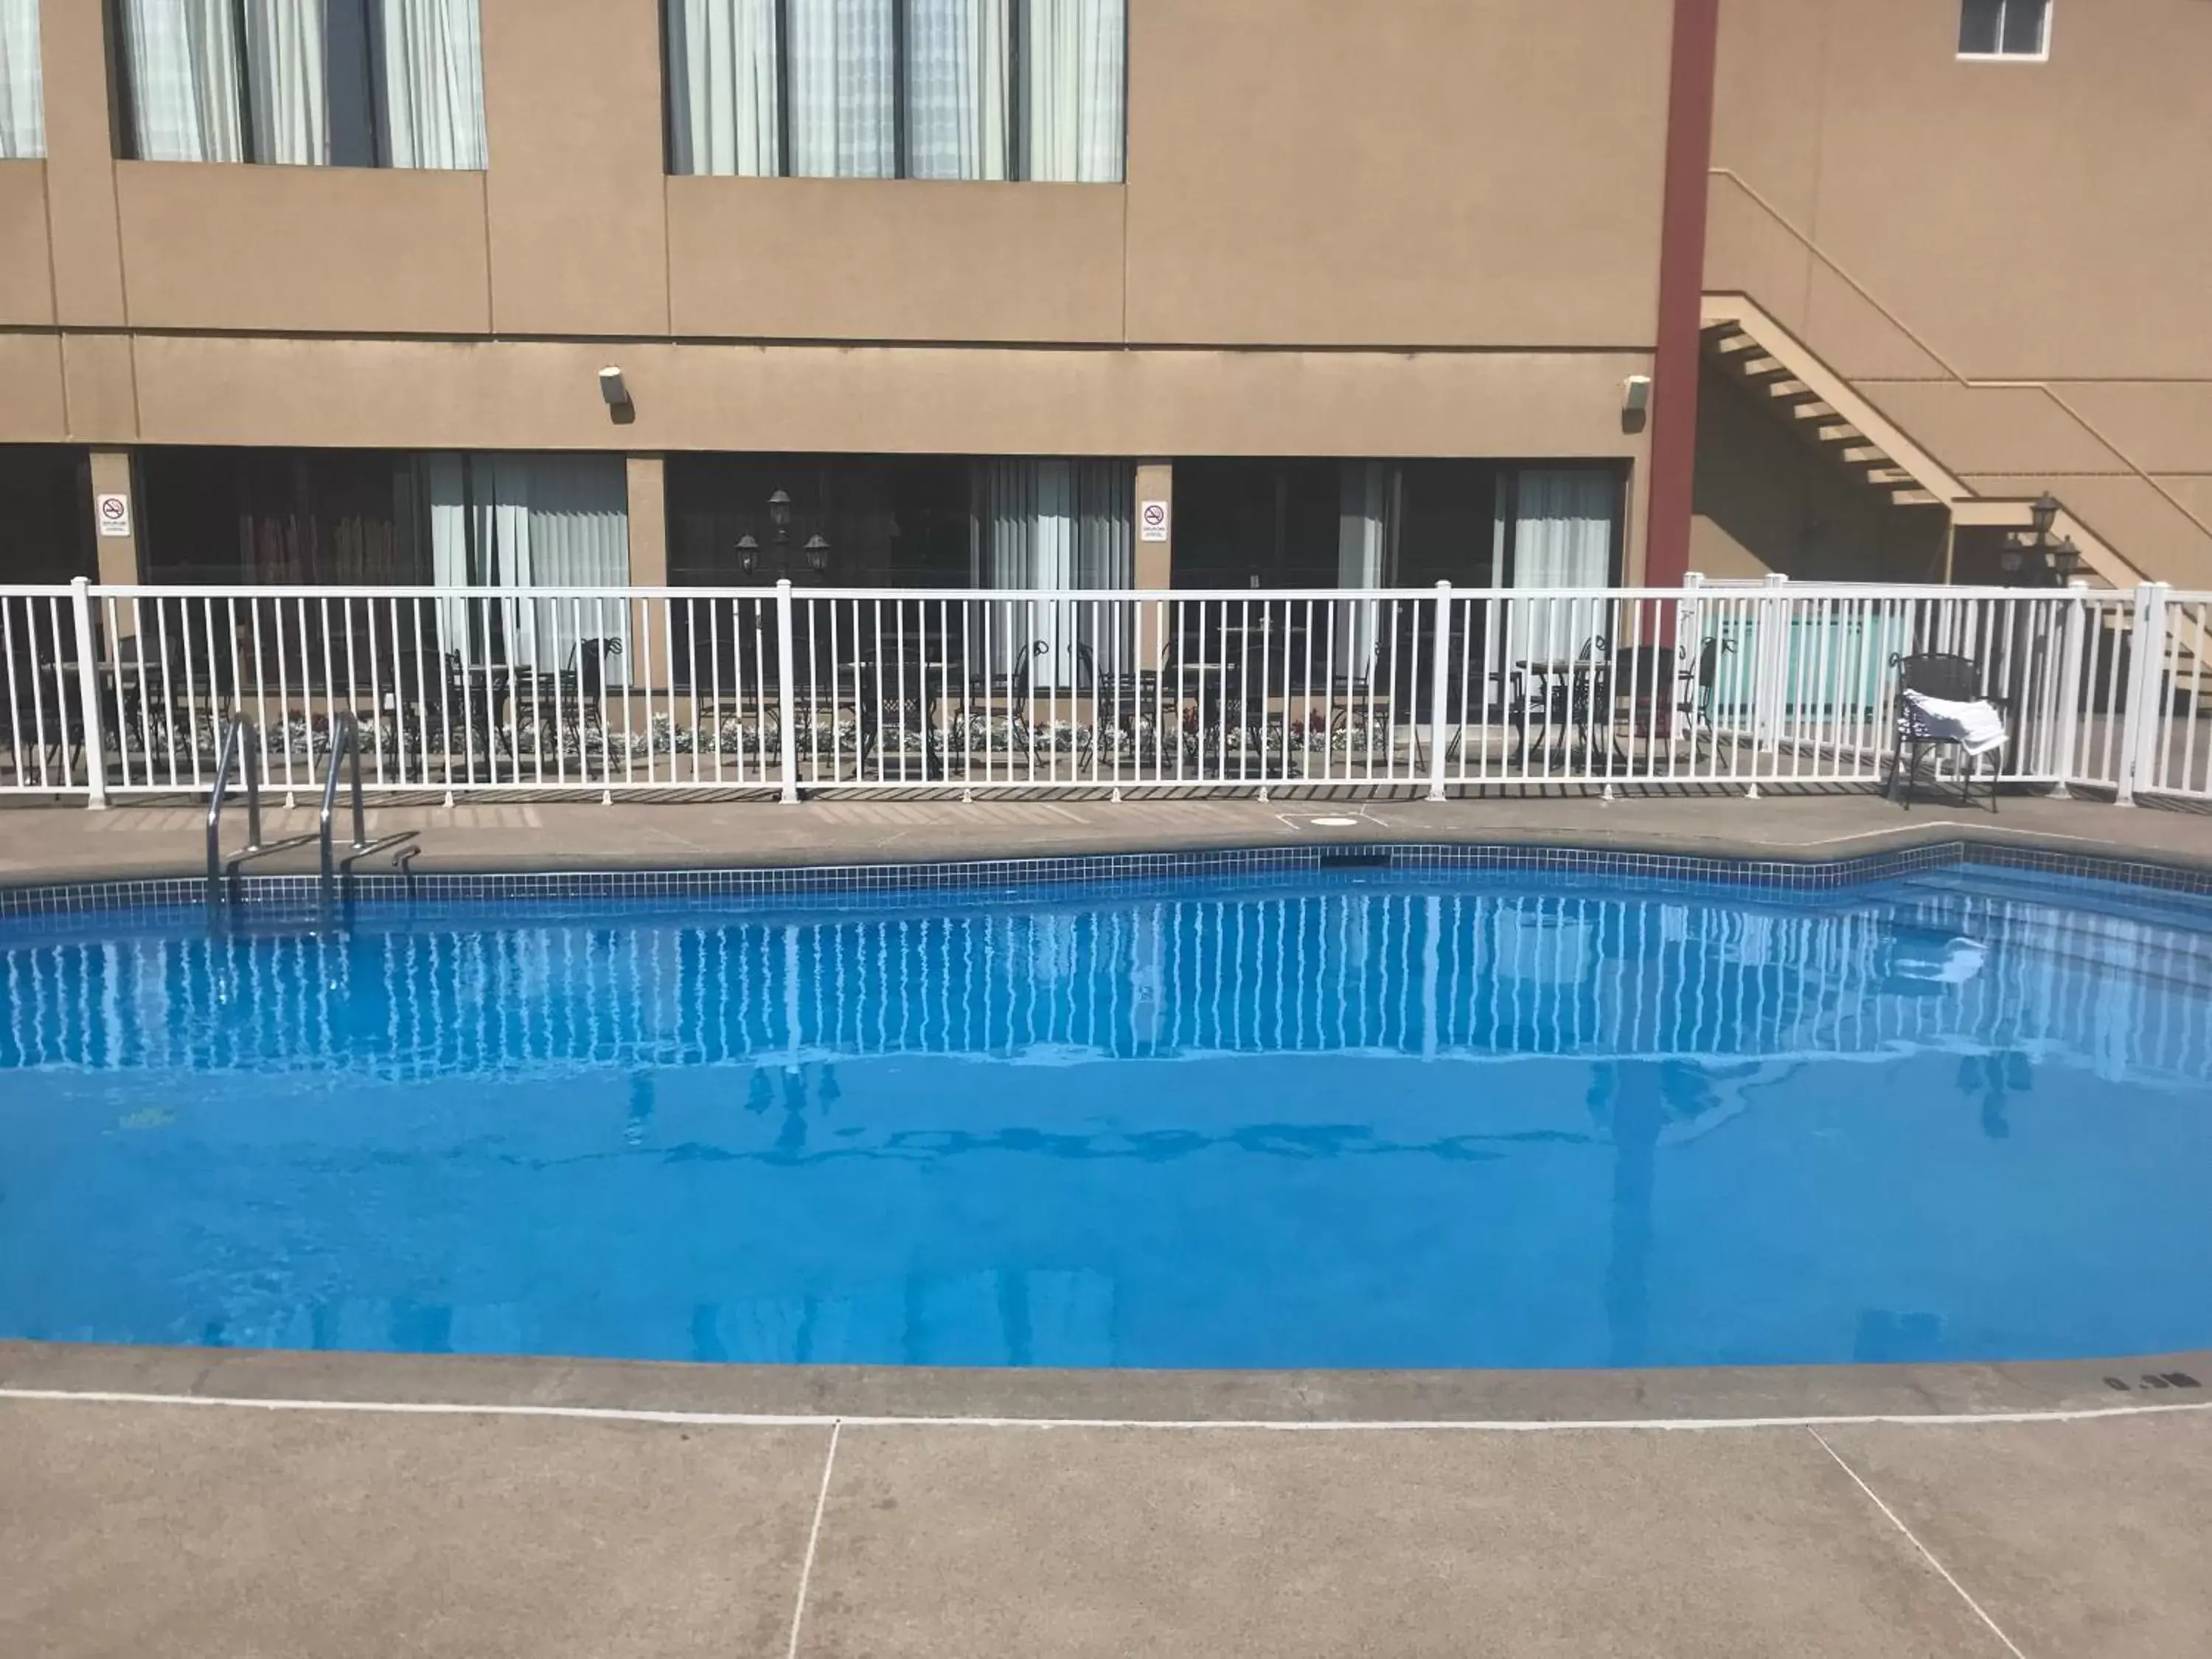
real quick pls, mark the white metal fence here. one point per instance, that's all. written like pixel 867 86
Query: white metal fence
pixel 116 692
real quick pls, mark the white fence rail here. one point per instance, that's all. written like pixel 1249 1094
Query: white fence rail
pixel 115 692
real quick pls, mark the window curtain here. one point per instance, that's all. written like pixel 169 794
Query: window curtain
pixel 184 95
pixel 285 52
pixel 1366 555
pixel 1054 526
pixel 500 521
pixel 1075 50
pixel 22 98
pixel 957 73
pixel 434 84
pixel 1560 522
pixel 721 77
pixel 841 57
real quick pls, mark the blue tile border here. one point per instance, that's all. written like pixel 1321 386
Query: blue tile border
pixel 274 896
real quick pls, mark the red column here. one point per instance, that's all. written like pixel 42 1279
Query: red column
pixel 1681 287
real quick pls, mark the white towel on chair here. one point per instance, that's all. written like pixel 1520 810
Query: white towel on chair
pixel 1976 727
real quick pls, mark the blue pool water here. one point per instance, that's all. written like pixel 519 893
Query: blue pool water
pixel 1364 1119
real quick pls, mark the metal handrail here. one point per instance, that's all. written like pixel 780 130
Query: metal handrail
pixel 235 740
pixel 345 745
pixel 345 741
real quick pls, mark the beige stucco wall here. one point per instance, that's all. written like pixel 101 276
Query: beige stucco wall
pixel 2046 223
pixel 1301 173
pixel 1407 228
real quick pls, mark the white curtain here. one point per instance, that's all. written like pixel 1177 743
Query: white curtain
pixel 1561 520
pixel 434 84
pixel 841 57
pixel 183 63
pixel 1366 555
pixel 22 99
pixel 444 486
pixel 502 520
pixel 284 61
pixel 1054 526
pixel 957 75
pixel 1074 50
pixel 721 74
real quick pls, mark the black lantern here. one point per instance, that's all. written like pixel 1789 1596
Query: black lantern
pixel 2043 514
pixel 779 512
pixel 818 553
pixel 749 554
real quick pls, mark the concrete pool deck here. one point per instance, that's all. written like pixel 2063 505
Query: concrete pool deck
pixel 257 1521
pixel 60 844
pixel 192 1502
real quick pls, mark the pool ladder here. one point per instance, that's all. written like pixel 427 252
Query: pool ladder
pixel 240 745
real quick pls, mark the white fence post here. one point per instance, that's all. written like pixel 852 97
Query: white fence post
pixel 1439 689
pixel 87 691
pixel 1770 673
pixel 2144 724
pixel 787 706
pixel 2074 620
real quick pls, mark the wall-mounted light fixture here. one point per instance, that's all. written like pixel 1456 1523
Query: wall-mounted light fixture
pixel 612 389
pixel 1636 394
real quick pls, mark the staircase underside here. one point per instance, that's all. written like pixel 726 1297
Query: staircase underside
pixel 1773 366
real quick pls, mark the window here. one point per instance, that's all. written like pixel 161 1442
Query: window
pixel 395 83
pixel 897 89
pixel 22 101
pixel 2004 28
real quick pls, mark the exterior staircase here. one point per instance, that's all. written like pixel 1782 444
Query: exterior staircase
pixel 1771 363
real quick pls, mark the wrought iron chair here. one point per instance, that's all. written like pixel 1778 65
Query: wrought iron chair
pixel 1952 678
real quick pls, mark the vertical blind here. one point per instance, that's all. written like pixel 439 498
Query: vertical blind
pixel 1369 494
pixel 1557 525
pixel 959 67
pixel 434 84
pixel 22 99
pixel 842 56
pixel 898 88
pixel 1054 525
pixel 1073 84
pixel 506 520
pixel 309 82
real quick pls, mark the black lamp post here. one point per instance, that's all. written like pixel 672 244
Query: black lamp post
pixel 2046 563
pixel 815 551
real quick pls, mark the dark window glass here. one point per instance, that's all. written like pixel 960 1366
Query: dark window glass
pixel 1979 25
pixel 2003 28
pixel 47 492
pixel 2023 26
pixel 348 42
pixel 280 516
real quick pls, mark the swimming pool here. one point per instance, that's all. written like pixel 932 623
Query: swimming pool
pixel 1369 1118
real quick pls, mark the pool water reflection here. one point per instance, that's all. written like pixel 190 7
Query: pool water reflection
pixel 1378 1122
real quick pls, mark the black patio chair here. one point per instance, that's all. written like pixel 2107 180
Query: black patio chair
pixel 580 693
pixel 1650 692
pixel 42 717
pixel 1952 678
pixel 904 686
